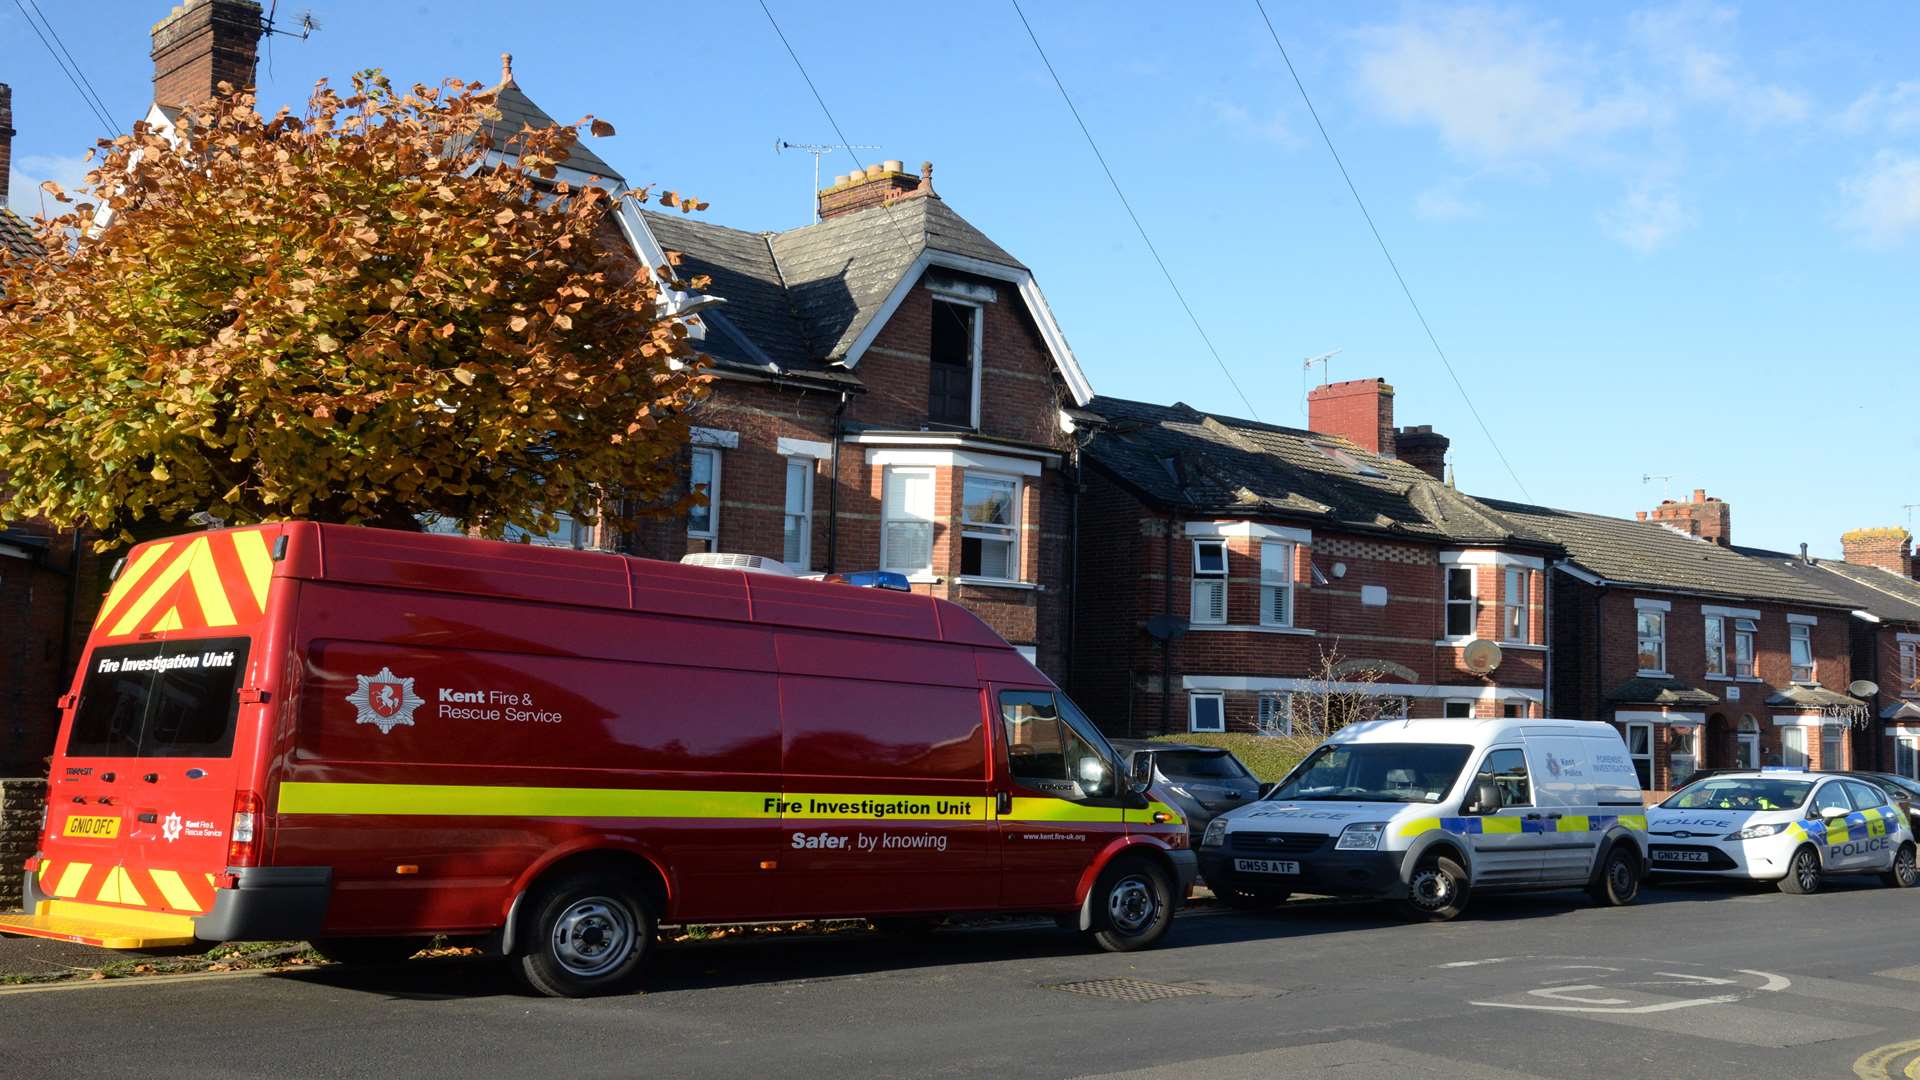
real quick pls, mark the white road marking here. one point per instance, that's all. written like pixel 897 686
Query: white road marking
pixel 1774 982
pixel 1665 1006
pixel 1566 993
pixel 1698 980
pixel 147 980
pixel 1477 963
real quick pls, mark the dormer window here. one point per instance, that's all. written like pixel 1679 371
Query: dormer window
pixel 953 375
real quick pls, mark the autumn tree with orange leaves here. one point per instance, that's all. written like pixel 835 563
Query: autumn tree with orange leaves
pixel 362 314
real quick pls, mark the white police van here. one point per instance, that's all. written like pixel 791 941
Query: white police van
pixel 1426 812
pixel 1783 825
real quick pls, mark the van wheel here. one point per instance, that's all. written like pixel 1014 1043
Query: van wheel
pixel 368 951
pixel 1132 906
pixel 1803 873
pixel 586 935
pixel 1619 882
pixel 1438 890
pixel 1251 899
pixel 1902 874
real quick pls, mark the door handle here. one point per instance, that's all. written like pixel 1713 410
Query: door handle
pixel 1003 802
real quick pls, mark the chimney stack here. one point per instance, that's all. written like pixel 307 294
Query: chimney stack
pixel 1888 549
pixel 1702 517
pixel 1359 410
pixel 1423 448
pixel 881 182
pixel 6 139
pixel 201 44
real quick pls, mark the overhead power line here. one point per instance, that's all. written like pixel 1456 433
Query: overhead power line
pixel 75 75
pixel 1378 239
pixel 1168 274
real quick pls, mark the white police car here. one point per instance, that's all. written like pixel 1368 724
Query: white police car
pixel 1781 825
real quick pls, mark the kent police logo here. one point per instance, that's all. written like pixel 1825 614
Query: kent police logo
pixel 385 700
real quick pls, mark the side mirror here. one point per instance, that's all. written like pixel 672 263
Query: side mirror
pixel 1266 789
pixel 1486 797
pixel 1831 812
pixel 1142 769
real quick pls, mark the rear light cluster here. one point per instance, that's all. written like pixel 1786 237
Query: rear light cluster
pixel 243 848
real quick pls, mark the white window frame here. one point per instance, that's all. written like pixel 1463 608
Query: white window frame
pixel 1471 603
pixel 1907 654
pixel 1449 704
pixel 1906 747
pixel 1649 756
pixel 1280 583
pixel 1516 624
pixel 1193 711
pixel 888 474
pixel 1213 579
pixel 1687 736
pixel 1746 743
pixel 1708 625
pixel 1641 637
pixel 1275 716
pixel 1746 630
pixel 1788 735
pixel 1797 633
pixel 801 468
pixel 1832 733
pixel 712 531
pixel 975 360
pixel 1008 534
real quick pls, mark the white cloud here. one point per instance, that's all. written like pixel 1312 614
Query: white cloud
pixel 1445 202
pixel 1646 217
pixel 23 186
pixel 1895 108
pixel 1497 86
pixel 1881 203
pixel 1683 39
pixel 1269 127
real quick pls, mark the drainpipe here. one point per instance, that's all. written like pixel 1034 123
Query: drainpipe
pixel 1166 643
pixel 833 489
pixel 1546 635
pixel 1073 562
pixel 73 605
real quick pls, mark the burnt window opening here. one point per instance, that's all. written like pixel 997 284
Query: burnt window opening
pixel 950 385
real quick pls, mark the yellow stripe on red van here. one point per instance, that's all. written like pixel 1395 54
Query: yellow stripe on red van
pixel 214 580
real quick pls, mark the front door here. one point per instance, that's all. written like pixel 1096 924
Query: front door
pixel 1506 841
pixel 1059 803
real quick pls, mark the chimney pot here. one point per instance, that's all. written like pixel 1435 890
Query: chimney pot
pixel 1889 548
pixel 881 182
pixel 895 165
pixel 1701 517
pixel 1423 448
pixel 1640 515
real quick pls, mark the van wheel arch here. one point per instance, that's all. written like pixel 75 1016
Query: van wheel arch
pixel 1439 849
pixel 630 866
pixel 1148 852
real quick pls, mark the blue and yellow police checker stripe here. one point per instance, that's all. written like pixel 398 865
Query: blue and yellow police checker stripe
pixel 1493 826
pixel 1859 825
pixel 481 800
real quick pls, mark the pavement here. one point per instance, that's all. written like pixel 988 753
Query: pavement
pixel 1694 981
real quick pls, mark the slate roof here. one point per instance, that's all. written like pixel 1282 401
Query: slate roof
pixel 1644 691
pixel 1878 592
pixel 16 236
pixel 517 111
pixel 801 298
pixel 1644 553
pixel 1809 697
pixel 1183 459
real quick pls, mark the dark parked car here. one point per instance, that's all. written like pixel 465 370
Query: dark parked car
pixel 1905 793
pixel 1202 781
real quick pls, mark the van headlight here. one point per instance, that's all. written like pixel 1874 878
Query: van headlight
pixel 1757 832
pixel 1360 836
pixel 1216 833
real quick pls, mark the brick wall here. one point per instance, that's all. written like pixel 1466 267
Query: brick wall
pixel 201 44
pixel 37 647
pixel 21 803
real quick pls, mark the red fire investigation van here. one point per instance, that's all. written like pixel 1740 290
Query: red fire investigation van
pixel 362 738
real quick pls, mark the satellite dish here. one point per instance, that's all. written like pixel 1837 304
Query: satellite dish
pixel 1863 688
pixel 1480 656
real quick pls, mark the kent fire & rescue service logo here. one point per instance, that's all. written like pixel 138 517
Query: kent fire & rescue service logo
pixel 385 700
pixel 170 828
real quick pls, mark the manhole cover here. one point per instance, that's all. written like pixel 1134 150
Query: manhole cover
pixel 1127 989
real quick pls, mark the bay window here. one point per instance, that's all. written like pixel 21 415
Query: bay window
pixel 1209 583
pixel 906 526
pixel 1793 747
pixel 1276 584
pixel 1516 625
pixel 990 527
pixel 1462 606
pixel 703 521
pixel 797 533
pixel 1640 749
pixel 1276 714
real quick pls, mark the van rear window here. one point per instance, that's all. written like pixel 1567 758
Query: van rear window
pixel 160 699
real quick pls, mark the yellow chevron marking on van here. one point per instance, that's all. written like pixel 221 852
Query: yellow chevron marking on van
pixel 72 879
pixel 1418 826
pixel 174 890
pixel 169 621
pixel 1572 823
pixel 196 565
pixel 256 562
pixel 130 576
pixel 1634 821
pixel 1500 825
pixel 119 889
pixel 1060 810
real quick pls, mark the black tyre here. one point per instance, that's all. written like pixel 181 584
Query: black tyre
pixel 1618 883
pixel 1902 874
pixel 1438 890
pixel 584 935
pixel 368 951
pixel 1242 899
pixel 1132 906
pixel 1803 872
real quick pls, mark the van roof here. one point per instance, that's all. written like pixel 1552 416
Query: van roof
pixel 1468 731
pixel 387 558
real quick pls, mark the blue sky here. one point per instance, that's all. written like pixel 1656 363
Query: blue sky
pixel 1679 239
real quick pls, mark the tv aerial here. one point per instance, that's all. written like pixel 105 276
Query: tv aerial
pixel 1666 483
pixel 819 150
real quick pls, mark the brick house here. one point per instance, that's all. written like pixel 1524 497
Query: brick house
pixel 1876 574
pixel 1703 654
pixel 1237 558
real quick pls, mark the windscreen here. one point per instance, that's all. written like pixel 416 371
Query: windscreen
pixel 1191 765
pixel 160 699
pixel 1376 772
pixel 1740 793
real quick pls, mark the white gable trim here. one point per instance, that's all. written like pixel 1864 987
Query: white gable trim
pixel 1252 529
pixel 1491 558
pixel 1022 280
pixel 954 459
